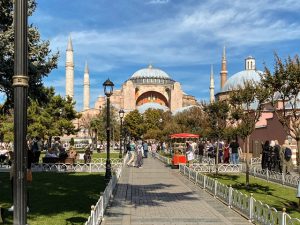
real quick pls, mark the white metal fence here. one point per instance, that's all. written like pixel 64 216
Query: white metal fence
pixel 97 211
pixel 254 210
pixel 96 166
pixel 285 179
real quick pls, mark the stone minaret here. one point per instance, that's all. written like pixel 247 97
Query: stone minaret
pixel 86 88
pixel 223 72
pixel 212 85
pixel 69 70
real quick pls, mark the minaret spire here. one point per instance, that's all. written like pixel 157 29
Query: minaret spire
pixel 212 85
pixel 224 71
pixel 69 70
pixel 86 88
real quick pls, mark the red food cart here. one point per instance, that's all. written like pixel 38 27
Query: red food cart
pixel 179 147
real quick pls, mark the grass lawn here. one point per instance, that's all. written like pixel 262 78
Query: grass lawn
pixel 275 195
pixel 56 198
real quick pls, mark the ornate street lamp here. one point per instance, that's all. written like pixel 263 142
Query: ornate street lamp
pixel 108 91
pixel 20 85
pixel 121 114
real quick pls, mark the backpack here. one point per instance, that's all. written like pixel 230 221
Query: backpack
pixel 287 154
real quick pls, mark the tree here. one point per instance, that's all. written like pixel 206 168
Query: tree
pixel 98 123
pixel 217 114
pixel 246 107
pixel 133 123
pixel 193 120
pixel 284 87
pixel 53 118
pixel 41 61
pixel 6 128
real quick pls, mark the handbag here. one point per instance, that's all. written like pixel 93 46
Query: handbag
pixel 29 175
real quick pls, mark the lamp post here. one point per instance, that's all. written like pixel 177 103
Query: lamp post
pixel 108 91
pixel 121 114
pixel 20 85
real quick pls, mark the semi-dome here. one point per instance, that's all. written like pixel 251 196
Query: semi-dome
pixel 150 72
pixel 152 105
pixel 238 79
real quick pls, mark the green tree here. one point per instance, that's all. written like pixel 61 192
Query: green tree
pixel 133 123
pixel 193 120
pixel 53 118
pixel 41 60
pixel 217 115
pixel 246 107
pixel 98 123
pixel 284 87
pixel 6 128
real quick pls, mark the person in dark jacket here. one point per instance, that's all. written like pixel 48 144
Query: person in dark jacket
pixel 265 159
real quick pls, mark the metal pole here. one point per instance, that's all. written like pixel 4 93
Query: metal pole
pixel 108 165
pixel 121 136
pixel 20 85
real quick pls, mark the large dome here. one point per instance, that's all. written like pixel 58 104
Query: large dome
pixel 150 72
pixel 238 79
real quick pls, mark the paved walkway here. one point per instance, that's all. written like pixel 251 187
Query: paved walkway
pixel 158 195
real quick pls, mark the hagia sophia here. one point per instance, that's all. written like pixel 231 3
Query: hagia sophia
pixel 154 88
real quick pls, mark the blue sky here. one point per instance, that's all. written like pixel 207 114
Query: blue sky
pixel 181 37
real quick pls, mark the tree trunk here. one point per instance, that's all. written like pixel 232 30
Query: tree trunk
pixel 247 161
pixel 298 153
pixel 217 157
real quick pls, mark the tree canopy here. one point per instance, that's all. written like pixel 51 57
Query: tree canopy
pixel 41 60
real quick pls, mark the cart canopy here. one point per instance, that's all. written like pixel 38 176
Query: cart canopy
pixel 184 135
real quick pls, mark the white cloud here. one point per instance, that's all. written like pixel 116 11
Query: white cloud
pixel 182 39
pixel 158 2
pixel 191 35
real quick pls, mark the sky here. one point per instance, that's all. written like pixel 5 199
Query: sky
pixel 181 37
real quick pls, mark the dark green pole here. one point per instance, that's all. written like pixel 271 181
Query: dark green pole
pixel 108 165
pixel 20 85
pixel 121 136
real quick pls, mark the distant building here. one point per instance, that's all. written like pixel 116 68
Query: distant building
pixel 146 88
pixel 268 127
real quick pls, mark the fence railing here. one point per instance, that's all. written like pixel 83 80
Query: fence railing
pixel 254 210
pixel 281 178
pixel 76 167
pixel 222 168
pixel 164 159
pixel 97 211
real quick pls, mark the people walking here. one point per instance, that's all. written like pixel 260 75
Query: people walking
pixel 145 147
pixel 139 151
pixel 286 158
pixel 200 151
pixel 265 159
pixel 226 155
pixel 234 146
pixel 131 153
pixel 278 165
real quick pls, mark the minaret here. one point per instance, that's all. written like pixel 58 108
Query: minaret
pixel 69 70
pixel 86 88
pixel 224 71
pixel 212 85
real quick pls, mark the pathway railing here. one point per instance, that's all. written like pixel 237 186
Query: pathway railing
pixel 97 211
pixel 76 167
pixel 164 159
pixel 281 178
pixel 254 210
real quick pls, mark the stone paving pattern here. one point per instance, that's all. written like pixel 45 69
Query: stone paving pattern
pixel 156 194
